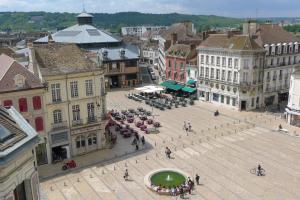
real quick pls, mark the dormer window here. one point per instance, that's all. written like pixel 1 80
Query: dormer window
pixel 279 48
pixel 284 48
pixel 19 81
pixel 296 47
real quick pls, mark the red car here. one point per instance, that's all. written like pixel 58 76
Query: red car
pixel 68 165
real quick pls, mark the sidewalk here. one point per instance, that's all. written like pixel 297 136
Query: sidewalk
pixel 122 149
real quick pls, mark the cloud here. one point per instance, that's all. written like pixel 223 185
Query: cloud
pixel 234 8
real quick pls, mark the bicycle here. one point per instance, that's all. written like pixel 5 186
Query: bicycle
pixel 255 171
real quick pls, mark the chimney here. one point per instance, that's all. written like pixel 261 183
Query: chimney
pixel 174 38
pixel 122 53
pixel 50 39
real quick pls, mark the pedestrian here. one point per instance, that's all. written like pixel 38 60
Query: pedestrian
pixel 134 142
pixel 143 140
pixel 184 125
pixel 137 147
pixel 181 192
pixel 126 175
pixel 168 152
pixel 190 127
pixel 137 136
pixel 197 179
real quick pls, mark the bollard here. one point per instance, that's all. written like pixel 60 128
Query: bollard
pixel 65 184
pixel 155 143
pixel 175 149
pixel 156 154
pixel 215 136
pixel 114 167
pixel 51 188
pixel 136 161
pixel 102 171
pixel 146 157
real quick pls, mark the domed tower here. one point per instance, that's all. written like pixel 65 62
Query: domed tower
pixel 85 18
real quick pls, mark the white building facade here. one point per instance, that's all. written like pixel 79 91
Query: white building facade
pixel 293 107
pixel 140 30
pixel 150 55
pixel 230 74
pixel 280 61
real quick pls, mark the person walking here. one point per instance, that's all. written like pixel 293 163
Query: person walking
pixel 197 179
pixel 126 175
pixel 143 140
pixel 190 127
pixel 168 152
pixel 136 147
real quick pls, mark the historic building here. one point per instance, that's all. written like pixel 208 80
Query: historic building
pixel 231 71
pixel 181 33
pixel 140 30
pixel 18 167
pixel 21 89
pixel 74 99
pixel 293 107
pixel 180 59
pixel 282 54
pixel 119 58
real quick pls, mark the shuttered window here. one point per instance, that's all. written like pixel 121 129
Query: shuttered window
pixel 39 124
pixel 36 101
pixel 7 103
pixel 23 105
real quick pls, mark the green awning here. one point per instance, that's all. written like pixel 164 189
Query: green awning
pixel 191 82
pixel 176 87
pixel 168 83
pixel 188 89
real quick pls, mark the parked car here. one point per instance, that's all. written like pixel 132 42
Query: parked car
pixel 152 130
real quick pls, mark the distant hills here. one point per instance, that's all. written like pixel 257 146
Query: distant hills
pixel 37 21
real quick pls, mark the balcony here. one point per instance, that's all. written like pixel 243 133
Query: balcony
pixel 77 122
pixel 56 100
pixel 92 119
pixel 59 125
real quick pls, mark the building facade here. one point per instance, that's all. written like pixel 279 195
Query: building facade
pixel 293 107
pixel 179 33
pixel 75 99
pixel 18 165
pixel 178 58
pixel 21 89
pixel 140 30
pixel 231 71
pixel 282 55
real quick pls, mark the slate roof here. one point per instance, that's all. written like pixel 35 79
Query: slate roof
pixel 9 68
pixel 58 58
pixel 273 34
pixel 235 42
pixel 16 135
pixel 80 34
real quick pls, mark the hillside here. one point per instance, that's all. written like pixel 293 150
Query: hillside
pixel 35 21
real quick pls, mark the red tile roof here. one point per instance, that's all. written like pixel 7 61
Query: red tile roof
pixel 9 68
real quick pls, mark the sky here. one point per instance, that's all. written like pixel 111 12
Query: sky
pixel 231 8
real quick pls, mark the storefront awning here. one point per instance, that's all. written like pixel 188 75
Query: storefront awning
pixel 191 82
pixel 167 83
pixel 176 87
pixel 188 89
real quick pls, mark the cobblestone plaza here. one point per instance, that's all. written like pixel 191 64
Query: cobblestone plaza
pixel 222 150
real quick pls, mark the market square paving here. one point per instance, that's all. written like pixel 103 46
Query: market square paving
pixel 222 150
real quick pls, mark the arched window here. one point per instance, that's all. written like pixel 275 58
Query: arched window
pixel 36 101
pixel 39 124
pixel 23 105
pixel 57 116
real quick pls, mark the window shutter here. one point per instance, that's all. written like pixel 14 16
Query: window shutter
pixel 7 103
pixel 39 125
pixel 23 105
pixel 36 100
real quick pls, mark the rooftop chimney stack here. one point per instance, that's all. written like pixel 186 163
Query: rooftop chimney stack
pixel 174 38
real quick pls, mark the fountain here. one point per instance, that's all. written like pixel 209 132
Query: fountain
pixel 169 178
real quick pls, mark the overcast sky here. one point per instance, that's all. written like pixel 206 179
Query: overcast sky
pixel 234 8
